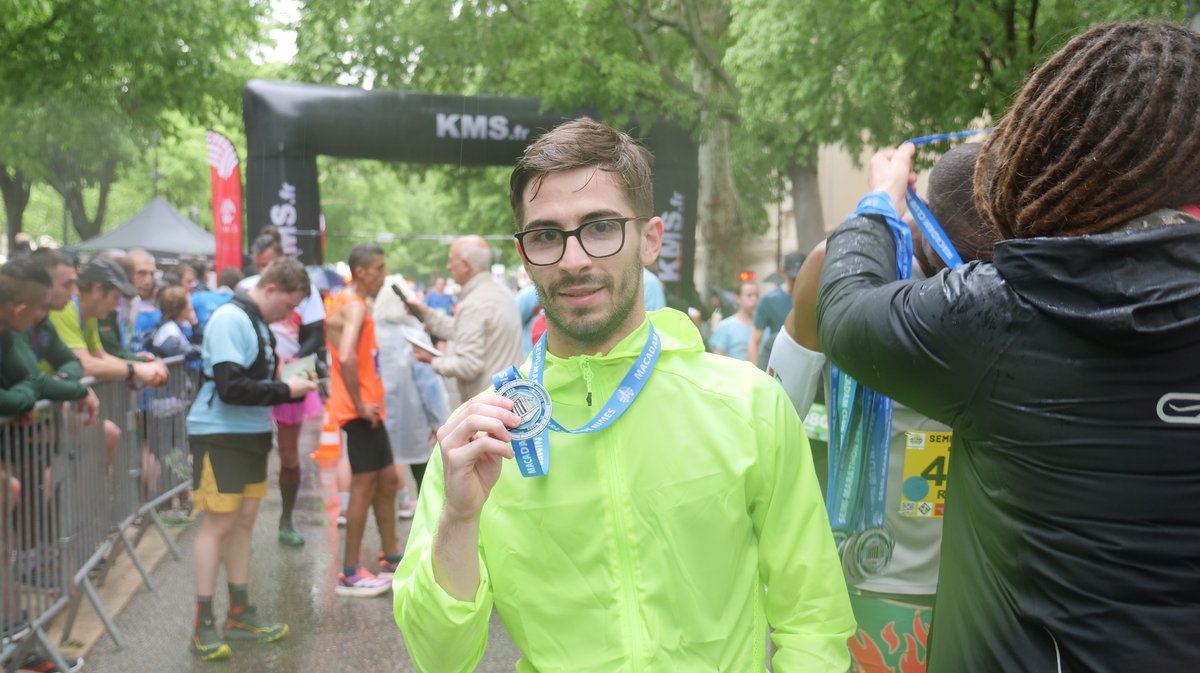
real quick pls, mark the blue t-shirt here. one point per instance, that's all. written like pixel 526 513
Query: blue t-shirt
pixel 652 291
pixel 205 302
pixel 528 305
pixel 229 338
pixel 439 301
pixel 732 337
pixel 144 324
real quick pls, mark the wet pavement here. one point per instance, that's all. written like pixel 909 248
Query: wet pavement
pixel 329 633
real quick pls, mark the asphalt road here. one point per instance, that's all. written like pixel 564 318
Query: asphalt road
pixel 329 633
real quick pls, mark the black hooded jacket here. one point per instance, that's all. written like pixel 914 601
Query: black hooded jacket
pixel 1070 371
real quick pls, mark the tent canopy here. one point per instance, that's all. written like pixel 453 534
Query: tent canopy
pixel 159 228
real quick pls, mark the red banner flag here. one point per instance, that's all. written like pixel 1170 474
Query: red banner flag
pixel 226 201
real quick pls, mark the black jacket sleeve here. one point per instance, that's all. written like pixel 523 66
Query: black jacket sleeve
pixel 914 341
pixel 235 386
pixel 312 338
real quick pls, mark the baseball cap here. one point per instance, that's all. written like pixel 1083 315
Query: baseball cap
pixel 108 272
pixel 792 263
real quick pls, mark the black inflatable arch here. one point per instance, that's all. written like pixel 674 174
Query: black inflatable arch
pixel 288 125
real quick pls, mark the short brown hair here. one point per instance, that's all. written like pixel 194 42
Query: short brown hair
pixel 578 144
pixel 286 274
pixel 172 301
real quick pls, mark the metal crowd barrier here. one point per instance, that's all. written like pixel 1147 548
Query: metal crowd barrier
pixel 80 502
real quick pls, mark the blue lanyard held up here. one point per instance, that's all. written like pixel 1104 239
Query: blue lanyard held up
pixel 925 220
pixel 531 402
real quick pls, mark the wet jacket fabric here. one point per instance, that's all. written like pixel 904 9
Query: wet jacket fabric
pixel 1070 372
pixel 650 545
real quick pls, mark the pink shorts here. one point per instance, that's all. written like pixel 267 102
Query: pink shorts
pixel 294 413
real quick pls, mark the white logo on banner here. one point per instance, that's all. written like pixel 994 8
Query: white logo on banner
pixel 479 127
pixel 670 257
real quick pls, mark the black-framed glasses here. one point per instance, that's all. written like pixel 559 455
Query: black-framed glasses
pixel 546 246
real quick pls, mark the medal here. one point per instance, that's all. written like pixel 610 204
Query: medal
pixel 531 403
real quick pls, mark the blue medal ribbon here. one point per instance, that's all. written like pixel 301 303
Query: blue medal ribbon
pixel 929 225
pixel 932 229
pixel 533 452
pixel 860 429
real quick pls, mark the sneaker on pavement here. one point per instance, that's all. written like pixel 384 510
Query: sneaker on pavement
pixel 387 568
pixel 176 517
pixel 250 626
pixel 208 644
pixel 341 521
pixel 290 537
pixel 36 664
pixel 407 510
pixel 362 584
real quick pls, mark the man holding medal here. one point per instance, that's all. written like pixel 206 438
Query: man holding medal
pixel 680 517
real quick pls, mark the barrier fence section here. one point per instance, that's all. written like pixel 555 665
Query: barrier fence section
pixel 75 495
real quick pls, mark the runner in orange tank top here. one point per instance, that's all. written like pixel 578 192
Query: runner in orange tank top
pixel 342 406
pixel 356 404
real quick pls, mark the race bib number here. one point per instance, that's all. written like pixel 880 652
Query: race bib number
pixel 816 423
pixel 926 470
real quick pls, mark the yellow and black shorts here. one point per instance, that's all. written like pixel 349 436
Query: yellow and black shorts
pixel 232 466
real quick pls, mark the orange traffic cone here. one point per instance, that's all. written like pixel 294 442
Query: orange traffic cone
pixel 330 446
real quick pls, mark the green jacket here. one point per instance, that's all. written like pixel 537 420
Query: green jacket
pixel 20 378
pixel 58 362
pixel 650 546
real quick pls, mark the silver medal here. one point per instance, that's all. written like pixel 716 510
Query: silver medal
pixel 531 403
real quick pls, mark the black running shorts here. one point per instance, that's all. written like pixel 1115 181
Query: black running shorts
pixel 368 448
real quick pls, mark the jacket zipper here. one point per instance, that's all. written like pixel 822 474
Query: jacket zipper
pixel 624 550
pixel 585 364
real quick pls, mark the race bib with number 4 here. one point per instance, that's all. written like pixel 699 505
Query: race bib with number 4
pixel 926 466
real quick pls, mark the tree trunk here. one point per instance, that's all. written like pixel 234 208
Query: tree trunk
pixel 720 216
pixel 806 206
pixel 15 188
pixel 67 182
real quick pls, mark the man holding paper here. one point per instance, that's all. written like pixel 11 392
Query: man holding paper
pixel 485 334
pixel 681 485
pixel 229 432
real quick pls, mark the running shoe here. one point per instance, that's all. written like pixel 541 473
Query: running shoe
pixel 176 517
pixel 36 664
pixel 341 521
pixel 208 644
pixel 362 584
pixel 407 509
pixel 290 537
pixel 250 626
pixel 387 568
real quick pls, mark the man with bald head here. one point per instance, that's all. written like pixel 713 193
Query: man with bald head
pixel 485 335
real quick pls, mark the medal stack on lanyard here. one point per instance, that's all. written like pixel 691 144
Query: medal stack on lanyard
pixel 531 402
pixel 860 419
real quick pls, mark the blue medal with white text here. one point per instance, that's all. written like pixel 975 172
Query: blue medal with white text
pixel 532 404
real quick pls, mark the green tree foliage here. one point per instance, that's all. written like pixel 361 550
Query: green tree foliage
pixel 86 84
pixel 413 215
pixel 618 57
pixel 876 72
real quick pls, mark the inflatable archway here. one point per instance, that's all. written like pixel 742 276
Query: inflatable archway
pixel 288 125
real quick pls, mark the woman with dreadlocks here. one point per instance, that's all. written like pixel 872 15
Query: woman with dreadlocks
pixel 1069 367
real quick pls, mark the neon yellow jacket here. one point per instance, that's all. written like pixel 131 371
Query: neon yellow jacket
pixel 650 545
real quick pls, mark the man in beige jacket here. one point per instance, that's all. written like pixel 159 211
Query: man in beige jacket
pixel 485 335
